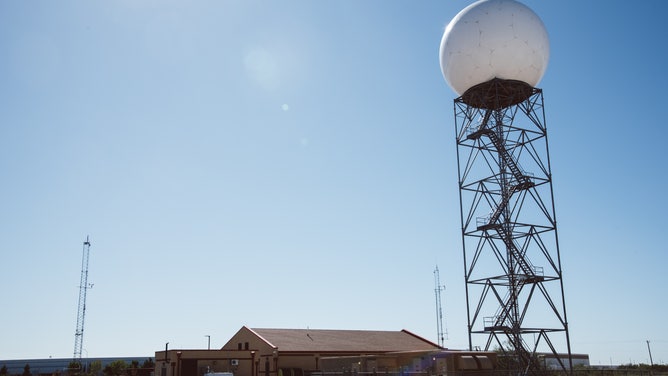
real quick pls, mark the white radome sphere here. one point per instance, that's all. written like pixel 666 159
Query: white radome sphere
pixel 494 39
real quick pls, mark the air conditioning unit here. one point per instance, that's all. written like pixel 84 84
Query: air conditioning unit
pixel 234 362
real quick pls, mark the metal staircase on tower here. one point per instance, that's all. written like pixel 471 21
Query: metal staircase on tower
pixel 521 182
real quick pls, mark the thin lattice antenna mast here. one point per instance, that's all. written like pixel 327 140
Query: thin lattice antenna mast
pixel 441 331
pixel 81 310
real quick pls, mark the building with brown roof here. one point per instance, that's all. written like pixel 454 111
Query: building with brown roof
pixel 288 352
pixel 289 341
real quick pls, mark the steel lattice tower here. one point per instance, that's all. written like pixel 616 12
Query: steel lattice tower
pixel 514 288
pixel 441 331
pixel 81 310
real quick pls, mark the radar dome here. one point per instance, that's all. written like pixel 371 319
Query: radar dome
pixel 494 39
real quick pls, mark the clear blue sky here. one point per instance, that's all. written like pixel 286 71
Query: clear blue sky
pixel 291 164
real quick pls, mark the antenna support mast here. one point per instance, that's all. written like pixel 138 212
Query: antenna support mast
pixel 440 331
pixel 81 309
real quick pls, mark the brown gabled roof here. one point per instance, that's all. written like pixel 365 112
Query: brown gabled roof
pixel 354 341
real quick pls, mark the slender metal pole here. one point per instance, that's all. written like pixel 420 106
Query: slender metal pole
pixel 208 347
pixel 649 350
pixel 81 310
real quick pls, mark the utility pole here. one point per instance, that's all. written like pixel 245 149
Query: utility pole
pixel 651 362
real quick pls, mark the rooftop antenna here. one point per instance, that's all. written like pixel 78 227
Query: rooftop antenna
pixel 81 309
pixel 441 331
